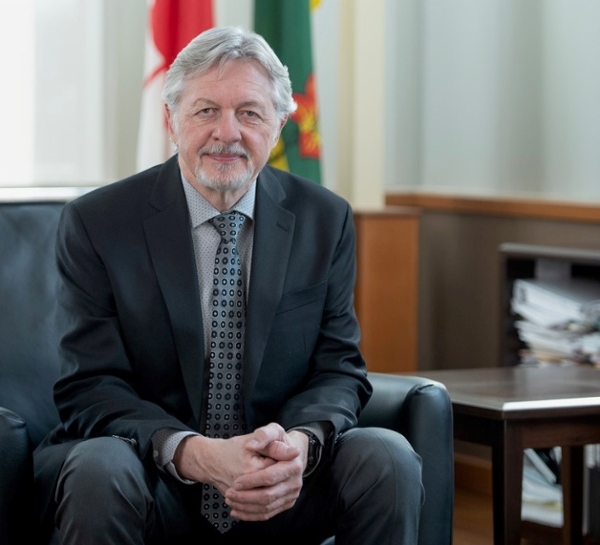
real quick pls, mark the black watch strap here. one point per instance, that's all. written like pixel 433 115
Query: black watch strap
pixel 313 455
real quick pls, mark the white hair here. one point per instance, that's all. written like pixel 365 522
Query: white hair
pixel 217 47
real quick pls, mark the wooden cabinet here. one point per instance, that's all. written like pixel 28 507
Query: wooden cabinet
pixel 386 295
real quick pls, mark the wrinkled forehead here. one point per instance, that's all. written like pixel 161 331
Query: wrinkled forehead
pixel 244 73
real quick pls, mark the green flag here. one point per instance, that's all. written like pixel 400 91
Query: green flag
pixel 285 24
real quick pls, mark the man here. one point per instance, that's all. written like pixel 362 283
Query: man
pixel 211 377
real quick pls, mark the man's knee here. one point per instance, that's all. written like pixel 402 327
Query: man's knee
pixel 101 455
pixel 381 457
pixel 103 491
pixel 376 489
pixel 100 464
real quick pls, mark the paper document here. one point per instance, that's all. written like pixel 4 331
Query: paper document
pixel 569 297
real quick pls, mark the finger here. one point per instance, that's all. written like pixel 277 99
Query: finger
pixel 259 462
pixel 256 504
pixel 289 489
pixel 280 451
pixel 264 496
pixel 270 476
pixel 261 437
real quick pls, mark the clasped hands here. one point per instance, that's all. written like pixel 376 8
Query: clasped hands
pixel 259 474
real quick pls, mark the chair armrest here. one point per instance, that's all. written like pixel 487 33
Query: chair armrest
pixel 16 477
pixel 421 410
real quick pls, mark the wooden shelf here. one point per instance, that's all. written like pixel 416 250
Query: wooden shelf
pixel 500 206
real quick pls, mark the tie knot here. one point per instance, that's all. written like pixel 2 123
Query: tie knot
pixel 228 225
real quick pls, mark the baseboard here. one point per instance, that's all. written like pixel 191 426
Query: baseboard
pixel 473 473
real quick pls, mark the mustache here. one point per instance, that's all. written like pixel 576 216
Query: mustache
pixel 232 149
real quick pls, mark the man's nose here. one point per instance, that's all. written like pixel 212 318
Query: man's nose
pixel 227 128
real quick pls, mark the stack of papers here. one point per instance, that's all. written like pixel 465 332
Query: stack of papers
pixel 542 499
pixel 558 319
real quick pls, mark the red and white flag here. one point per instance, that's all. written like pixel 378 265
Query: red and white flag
pixel 171 26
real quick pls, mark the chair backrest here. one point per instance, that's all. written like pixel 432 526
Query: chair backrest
pixel 28 340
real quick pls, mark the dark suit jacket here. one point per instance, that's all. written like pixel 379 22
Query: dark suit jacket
pixel 132 350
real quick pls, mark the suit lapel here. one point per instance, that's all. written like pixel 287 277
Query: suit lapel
pixel 170 244
pixel 273 234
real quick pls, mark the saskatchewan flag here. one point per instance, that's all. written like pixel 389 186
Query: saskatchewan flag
pixel 285 24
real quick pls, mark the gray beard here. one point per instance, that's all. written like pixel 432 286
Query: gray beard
pixel 224 181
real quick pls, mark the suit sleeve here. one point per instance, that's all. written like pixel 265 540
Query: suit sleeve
pixel 95 394
pixel 337 387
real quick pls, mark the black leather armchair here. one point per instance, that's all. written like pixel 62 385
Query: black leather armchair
pixel 417 407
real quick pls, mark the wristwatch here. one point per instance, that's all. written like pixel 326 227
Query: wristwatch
pixel 314 453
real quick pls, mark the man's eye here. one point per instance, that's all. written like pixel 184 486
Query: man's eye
pixel 250 113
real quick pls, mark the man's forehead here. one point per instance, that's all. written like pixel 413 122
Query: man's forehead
pixel 234 70
pixel 243 81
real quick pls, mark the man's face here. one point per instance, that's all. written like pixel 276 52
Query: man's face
pixel 225 127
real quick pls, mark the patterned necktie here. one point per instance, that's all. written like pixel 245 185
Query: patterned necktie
pixel 225 404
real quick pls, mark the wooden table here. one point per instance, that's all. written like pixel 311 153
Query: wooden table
pixel 513 408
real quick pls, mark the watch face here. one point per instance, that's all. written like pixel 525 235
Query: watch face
pixel 313 451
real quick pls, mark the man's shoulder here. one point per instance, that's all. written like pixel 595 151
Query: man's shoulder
pixel 132 186
pixel 134 192
pixel 299 190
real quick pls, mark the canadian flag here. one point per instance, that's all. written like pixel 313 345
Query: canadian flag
pixel 171 26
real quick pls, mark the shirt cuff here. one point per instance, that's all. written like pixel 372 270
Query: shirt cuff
pixel 164 445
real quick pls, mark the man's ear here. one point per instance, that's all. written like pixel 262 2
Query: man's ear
pixel 171 124
pixel 277 133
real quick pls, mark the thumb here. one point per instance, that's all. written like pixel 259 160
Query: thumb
pixel 283 452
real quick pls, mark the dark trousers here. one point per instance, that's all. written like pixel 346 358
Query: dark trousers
pixel 370 492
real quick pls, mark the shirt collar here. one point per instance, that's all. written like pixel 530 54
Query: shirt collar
pixel 201 210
